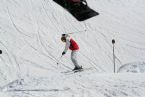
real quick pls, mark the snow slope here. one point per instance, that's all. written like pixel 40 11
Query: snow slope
pixel 30 32
pixel 84 84
pixel 137 67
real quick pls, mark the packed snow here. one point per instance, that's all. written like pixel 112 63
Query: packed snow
pixel 30 32
pixel 137 67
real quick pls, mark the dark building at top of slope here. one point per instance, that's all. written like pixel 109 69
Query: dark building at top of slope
pixel 78 8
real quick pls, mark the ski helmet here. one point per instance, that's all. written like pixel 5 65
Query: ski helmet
pixel 63 39
pixel 65 35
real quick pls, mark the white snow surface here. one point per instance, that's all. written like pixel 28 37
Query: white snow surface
pixel 137 67
pixel 30 32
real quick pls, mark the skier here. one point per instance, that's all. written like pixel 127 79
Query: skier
pixel 73 46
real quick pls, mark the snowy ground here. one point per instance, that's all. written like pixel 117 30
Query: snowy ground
pixel 84 84
pixel 30 32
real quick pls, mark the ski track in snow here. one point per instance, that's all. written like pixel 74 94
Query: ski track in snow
pixel 30 33
pixel 77 85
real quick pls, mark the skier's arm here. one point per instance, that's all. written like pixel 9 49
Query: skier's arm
pixel 67 45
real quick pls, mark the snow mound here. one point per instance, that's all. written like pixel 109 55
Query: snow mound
pixel 137 67
pixel 2 94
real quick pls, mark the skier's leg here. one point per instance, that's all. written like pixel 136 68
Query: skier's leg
pixel 74 58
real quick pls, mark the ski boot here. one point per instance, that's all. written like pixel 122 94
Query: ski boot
pixel 77 68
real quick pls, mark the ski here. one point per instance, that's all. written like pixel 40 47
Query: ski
pixel 76 71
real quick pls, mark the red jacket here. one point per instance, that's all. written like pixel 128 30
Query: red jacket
pixel 73 45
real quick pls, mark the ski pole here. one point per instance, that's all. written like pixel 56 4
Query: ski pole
pixel 59 60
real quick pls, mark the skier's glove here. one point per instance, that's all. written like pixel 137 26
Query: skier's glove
pixel 63 53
